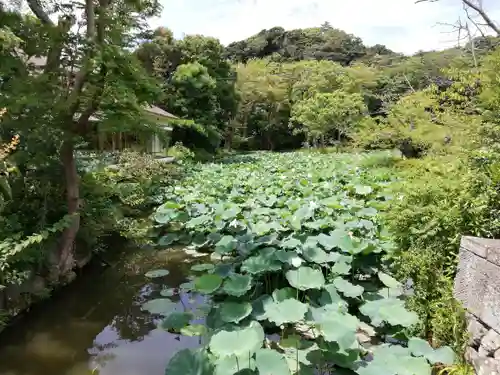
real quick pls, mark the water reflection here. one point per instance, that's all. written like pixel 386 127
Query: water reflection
pixel 96 326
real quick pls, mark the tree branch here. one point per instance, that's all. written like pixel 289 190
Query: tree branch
pixel 99 90
pixel 479 9
pixel 82 74
pixel 37 9
pixel 476 7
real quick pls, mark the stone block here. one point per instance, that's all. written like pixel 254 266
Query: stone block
pixel 496 355
pixel 471 355
pixel 470 280
pixel 474 245
pixel 490 313
pixel 486 366
pixel 476 331
pixel 491 342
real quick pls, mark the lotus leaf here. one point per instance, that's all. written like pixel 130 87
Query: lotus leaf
pixel 233 364
pixel 194 330
pixel 421 348
pixel 160 306
pixel 168 292
pixel 157 273
pixel 341 268
pixel 289 257
pixel 287 311
pixel 168 239
pixel 242 341
pixel 234 312
pixel 237 285
pixel 261 263
pixel 363 190
pixel 176 321
pixel 394 360
pixel 279 295
pixel 260 306
pixel 226 245
pixel 348 289
pixel 202 267
pixel 208 283
pixel 190 362
pixel 388 281
pixel 389 310
pixel 305 278
pixel 271 362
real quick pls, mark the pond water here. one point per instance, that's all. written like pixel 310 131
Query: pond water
pixel 96 325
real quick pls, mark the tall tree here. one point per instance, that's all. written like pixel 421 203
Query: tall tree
pixel 63 73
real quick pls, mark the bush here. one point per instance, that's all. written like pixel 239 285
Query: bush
pixel 120 197
pixel 439 199
pixel 180 152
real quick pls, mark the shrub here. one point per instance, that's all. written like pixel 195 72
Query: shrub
pixel 439 199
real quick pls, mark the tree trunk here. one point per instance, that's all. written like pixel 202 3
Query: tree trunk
pixel 73 201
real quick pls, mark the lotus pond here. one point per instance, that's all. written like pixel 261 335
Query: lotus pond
pixel 293 279
pixel 302 285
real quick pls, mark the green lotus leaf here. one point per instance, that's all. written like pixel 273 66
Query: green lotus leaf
pixel 194 330
pixel 363 189
pixel 337 239
pixel 233 364
pixel 190 362
pixel 271 362
pixel 160 306
pixel 287 311
pixel 239 342
pixel 222 269
pixel 348 289
pixel 291 243
pixel 157 273
pixel 226 245
pixel 421 348
pixel 260 263
pixel 388 281
pixel 341 268
pixel 187 286
pixel 339 328
pixel 198 221
pixel 315 254
pixel 168 292
pixel 234 312
pixel 367 211
pixel 305 278
pixel 389 310
pixel 237 285
pixel 168 239
pixel 208 283
pixel 202 267
pixel 289 257
pixel 394 360
pixel 176 321
pixel 330 296
pixel 260 306
pixel 279 295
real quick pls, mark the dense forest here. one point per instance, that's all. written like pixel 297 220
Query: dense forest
pixel 316 91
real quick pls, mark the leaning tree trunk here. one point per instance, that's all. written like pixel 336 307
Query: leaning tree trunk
pixel 66 245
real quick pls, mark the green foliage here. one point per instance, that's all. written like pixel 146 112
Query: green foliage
pixel 316 43
pixel 303 253
pixel 322 113
pixel 441 200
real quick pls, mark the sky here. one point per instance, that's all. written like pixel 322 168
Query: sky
pixel 401 25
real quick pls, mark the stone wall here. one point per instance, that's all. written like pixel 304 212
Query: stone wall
pixel 477 286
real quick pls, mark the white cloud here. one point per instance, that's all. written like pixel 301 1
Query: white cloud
pixel 401 25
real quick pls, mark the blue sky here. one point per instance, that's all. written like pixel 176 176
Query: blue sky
pixel 401 25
